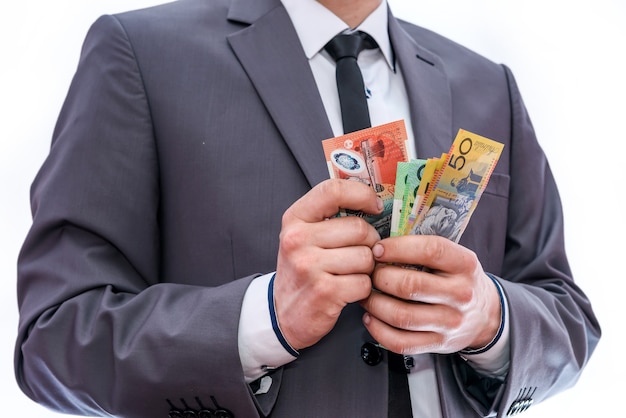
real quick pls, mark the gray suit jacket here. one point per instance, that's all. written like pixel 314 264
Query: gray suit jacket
pixel 187 131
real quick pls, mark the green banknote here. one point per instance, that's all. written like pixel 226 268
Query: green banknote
pixel 408 178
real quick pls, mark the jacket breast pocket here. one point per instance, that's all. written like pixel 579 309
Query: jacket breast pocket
pixel 486 230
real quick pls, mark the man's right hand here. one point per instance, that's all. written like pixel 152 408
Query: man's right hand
pixel 324 263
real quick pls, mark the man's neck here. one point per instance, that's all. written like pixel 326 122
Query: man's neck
pixel 353 12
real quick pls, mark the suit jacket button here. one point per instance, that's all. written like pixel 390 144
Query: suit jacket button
pixel 371 354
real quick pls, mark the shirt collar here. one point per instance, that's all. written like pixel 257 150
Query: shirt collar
pixel 316 25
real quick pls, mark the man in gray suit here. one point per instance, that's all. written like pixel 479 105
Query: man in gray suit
pixel 184 259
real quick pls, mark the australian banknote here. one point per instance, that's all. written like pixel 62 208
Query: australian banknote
pixel 436 196
pixel 370 156
pixel 456 187
pixel 408 177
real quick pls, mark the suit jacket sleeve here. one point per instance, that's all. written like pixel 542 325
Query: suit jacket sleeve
pixel 553 329
pixel 103 329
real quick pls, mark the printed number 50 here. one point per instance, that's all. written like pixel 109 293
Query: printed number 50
pixel 458 162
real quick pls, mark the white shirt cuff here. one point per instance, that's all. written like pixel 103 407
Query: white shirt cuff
pixel 260 350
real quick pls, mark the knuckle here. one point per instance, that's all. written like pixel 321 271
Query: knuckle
pixel 360 228
pixel 434 341
pixel 402 318
pixel 331 188
pixel 323 289
pixel 434 248
pixel 364 287
pixel 287 218
pixel 409 285
pixel 465 295
pixel 471 260
pixel 299 262
pixel 429 342
pixel 301 265
pixel 292 238
pixel 454 320
pixel 365 259
pixel 438 342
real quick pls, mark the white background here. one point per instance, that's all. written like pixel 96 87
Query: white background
pixel 568 60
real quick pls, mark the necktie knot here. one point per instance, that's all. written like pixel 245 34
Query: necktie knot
pixel 348 45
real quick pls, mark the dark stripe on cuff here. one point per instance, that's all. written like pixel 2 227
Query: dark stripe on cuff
pixel 275 326
pixel 502 321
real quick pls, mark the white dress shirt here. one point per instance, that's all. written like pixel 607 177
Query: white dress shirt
pixel 259 348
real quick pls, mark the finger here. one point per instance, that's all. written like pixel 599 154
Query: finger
pixel 339 232
pixel 350 288
pixel 411 316
pixel 413 285
pixel 348 260
pixel 327 198
pixel 342 260
pixel 400 341
pixel 434 252
pixel 330 293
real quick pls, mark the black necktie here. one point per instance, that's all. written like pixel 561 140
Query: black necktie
pixel 399 394
pixel 344 49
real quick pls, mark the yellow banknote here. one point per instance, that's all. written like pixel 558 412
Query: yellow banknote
pixel 457 187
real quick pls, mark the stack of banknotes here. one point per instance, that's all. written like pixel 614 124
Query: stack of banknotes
pixel 433 196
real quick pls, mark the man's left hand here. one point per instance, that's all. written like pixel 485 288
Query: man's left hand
pixel 448 306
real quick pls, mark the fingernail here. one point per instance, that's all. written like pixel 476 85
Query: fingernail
pixel 380 203
pixel 366 319
pixel 378 250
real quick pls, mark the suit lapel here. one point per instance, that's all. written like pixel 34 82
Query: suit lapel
pixel 270 52
pixel 428 92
